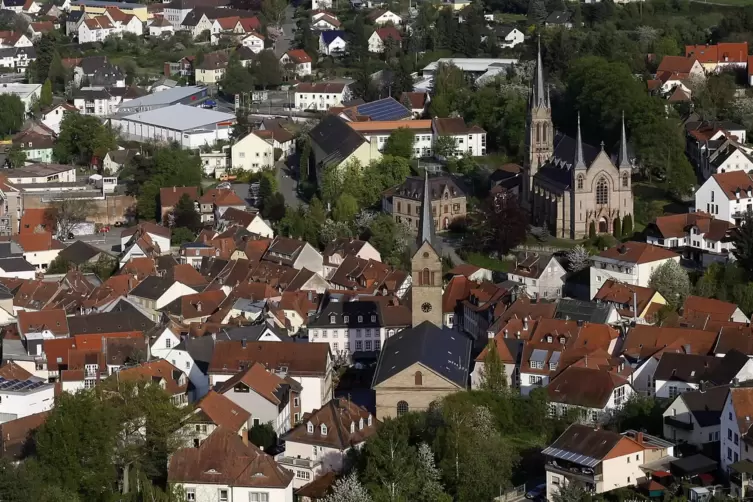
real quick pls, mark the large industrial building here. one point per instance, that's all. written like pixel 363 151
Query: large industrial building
pixel 189 95
pixel 188 126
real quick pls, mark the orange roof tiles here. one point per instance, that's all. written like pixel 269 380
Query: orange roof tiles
pixel 716 309
pixel 169 196
pixel 676 64
pixel 54 321
pixel 298 56
pixel 35 242
pixel 637 253
pixel 222 411
pixel 733 182
pixel 720 53
pixel 389 125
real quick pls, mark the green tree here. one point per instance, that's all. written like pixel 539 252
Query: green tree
pixel 266 69
pixel 237 79
pixel 445 146
pixel 743 242
pixel 274 207
pixel 617 228
pixel 672 282
pixel 59 266
pixel 181 235
pixel 400 143
pixel 263 436
pixel 385 235
pixel 185 214
pixel 242 126
pixel 15 156
pixel 627 225
pixel 274 11
pixel 303 166
pixel 12 111
pixel 390 463
pixel 81 138
pixel 330 184
pixel 345 208
pixel 592 230
pixel 268 185
pixel 537 11
pixel 571 492
pixel 493 377
pixel 45 98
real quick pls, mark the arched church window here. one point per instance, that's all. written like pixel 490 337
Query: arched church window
pixel 425 277
pixel 625 180
pixel 402 408
pixel 602 192
pixel 580 182
pixel 544 128
pixel 538 133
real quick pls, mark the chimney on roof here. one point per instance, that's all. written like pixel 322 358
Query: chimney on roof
pixel 525 323
pixel 243 342
pixel 639 437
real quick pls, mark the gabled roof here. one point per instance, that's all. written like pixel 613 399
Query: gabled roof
pixel 388 32
pixel 298 56
pixel 589 445
pixel 706 405
pixel 734 182
pixel 79 252
pixel 441 350
pixel 156 371
pixel 719 53
pixel 225 458
pixel 335 139
pixel 678 225
pixel 169 196
pixel 637 253
pixel 676 64
pixel 690 368
pixel 346 425
pixel 296 358
pixel 221 411
pixel 716 309
pixel 265 383
pixel 584 387
pixel 53 320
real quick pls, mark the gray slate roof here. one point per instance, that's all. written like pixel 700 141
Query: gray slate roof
pixel 336 139
pixel 445 351
pixel 123 317
pixel 706 406
pixel 79 252
pixel 151 288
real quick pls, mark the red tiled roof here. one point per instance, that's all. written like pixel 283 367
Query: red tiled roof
pixel 637 252
pixel 388 32
pixel 35 219
pixel 720 53
pixel 716 309
pixel 298 56
pixel 676 64
pixel 733 181
pixel 53 320
pixel 169 196
pixel 41 241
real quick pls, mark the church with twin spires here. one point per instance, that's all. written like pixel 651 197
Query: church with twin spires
pixel 568 184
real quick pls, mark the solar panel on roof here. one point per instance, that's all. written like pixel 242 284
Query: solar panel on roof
pixel 538 355
pixel 384 109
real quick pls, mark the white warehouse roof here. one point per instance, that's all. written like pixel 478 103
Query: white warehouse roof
pixel 180 117
pixel 163 98
pixel 470 64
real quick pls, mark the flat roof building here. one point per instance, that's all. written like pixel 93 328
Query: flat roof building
pixel 177 95
pixel 188 126
pixel 26 92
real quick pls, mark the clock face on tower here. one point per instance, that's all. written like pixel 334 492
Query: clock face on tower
pixel 426 307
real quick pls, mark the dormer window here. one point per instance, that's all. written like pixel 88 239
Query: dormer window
pixel 360 318
pixel 562 340
pixel 373 318
pixel 332 319
pixel 352 427
pixel 369 420
pixel 360 424
pixel 346 319
pixel 324 430
pixel 310 428
pixel 549 339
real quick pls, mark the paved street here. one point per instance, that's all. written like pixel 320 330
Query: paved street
pixel 287 183
pixel 288 27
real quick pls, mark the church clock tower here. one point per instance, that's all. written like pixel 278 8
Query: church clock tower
pixel 539 129
pixel 426 268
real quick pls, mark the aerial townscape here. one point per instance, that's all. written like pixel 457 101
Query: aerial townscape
pixel 376 250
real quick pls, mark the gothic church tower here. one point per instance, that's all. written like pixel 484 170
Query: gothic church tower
pixel 426 268
pixel 539 129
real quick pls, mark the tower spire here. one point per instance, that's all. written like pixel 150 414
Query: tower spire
pixel 624 161
pixel 539 97
pixel 579 163
pixel 426 221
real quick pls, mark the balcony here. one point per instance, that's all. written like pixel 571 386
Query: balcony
pixel 680 424
pixel 297 462
pixel 572 471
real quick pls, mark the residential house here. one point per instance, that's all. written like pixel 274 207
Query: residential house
pixel 417 102
pixel 253 152
pixel 322 441
pixel 212 68
pixel 383 38
pixel 730 155
pixel 95 29
pixel 226 467
pixel 420 365
pixel 694 417
pixel 253 41
pixel 634 303
pixel 297 61
pixel 294 253
pixel 14 435
pixel 677 373
pixel 704 137
pixel 599 459
pixel 339 249
pixel 377 133
pixel 154 293
pixel 193 308
pixel 161 373
pixel 281 136
pixel 509 351
pixel 380 17
pixel 37 29
pixel 320 96
pixel 353 329
pixel 216 201
pixel 559 18
pixel 52 117
pixel 21 398
pixel 37 147
pixel 726 196
pixel 39 249
pixel 717 310
pixel 608 391
pixel 719 57
pixel 470 140
pixel 324 21
pixel 334 142
pixel 736 420
pixel 508 36
pixel 310 365
pixel 161 27
pixel 541 276
pixel 267 397
pixel 332 42
pixel 115 160
pixel 251 221
pixel 169 197
pixel 631 262
pixel 17 58
pixel 158 236
pixel 696 236
pixel 404 201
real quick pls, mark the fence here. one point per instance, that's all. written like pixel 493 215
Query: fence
pixel 514 493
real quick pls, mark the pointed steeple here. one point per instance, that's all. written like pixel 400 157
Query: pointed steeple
pixel 540 98
pixel 580 162
pixel 624 160
pixel 426 222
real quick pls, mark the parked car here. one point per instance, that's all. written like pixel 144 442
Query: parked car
pixel 537 493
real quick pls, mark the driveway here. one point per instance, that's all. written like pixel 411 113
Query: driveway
pixel 288 28
pixel 286 180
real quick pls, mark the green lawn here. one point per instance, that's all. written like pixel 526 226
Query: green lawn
pixel 488 262
pixel 651 201
pixel 554 242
